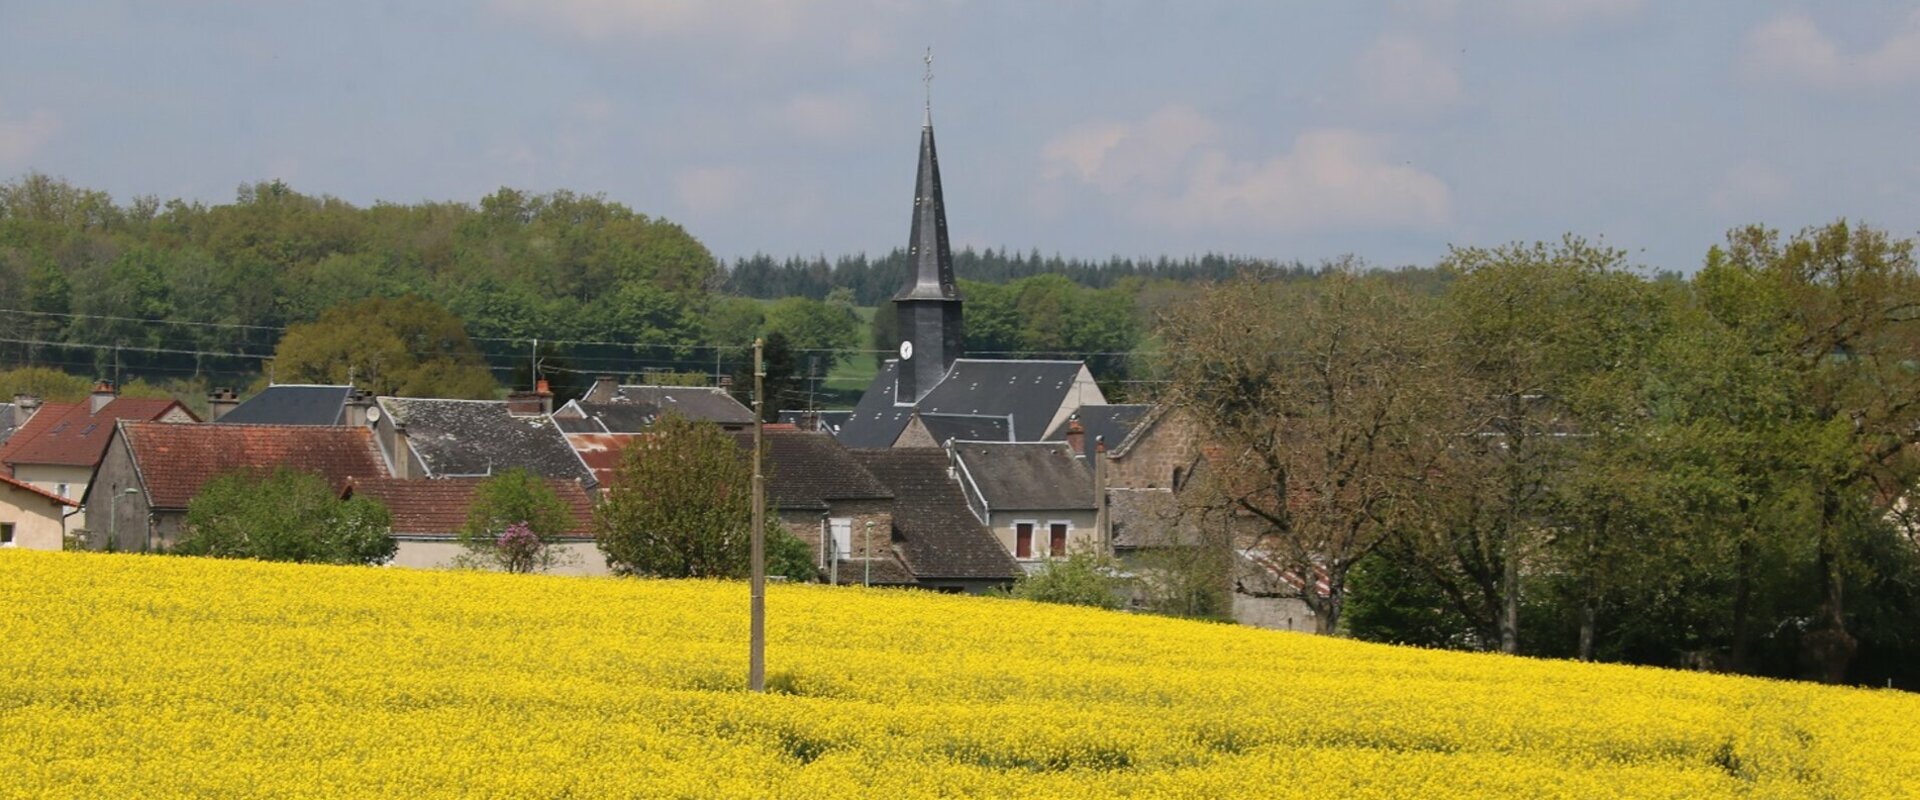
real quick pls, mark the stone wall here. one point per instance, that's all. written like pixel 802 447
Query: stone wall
pixel 810 526
pixel 1171 443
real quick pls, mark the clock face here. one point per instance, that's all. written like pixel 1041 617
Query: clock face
pixel 906 351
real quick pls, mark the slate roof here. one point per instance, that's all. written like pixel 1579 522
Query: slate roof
pixel 1026 476
pixel 37 491
pixel 693 402
pixel 292 404
pixel 479 437
pixel 174 460
pixel 7 416
pixel 71 434
pixel 1028 391
pixel 625 417
pixel 934 532
pixel 1114 423
pixel 809 469
pixel 578 424
pixel 438 507
pixel 965 427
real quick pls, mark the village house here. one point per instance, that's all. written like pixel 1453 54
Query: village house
pixel 935 535
pixel 822 495
pixel 1036 497
pixel 59 448
pixel 33 518
pixel 429 513
pixel 433 438
pixel 152 470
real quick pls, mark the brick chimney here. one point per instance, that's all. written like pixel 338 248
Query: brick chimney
pixel 220 401
pixel 103 393
pixel 1076 438
pixel 527 404
pixel 545 391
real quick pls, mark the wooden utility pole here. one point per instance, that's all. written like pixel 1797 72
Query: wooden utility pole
pixel 757 645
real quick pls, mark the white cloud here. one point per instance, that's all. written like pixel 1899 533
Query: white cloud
pixel 710 190
pixel 1750 187
pixel 1401 73
pixel 1791 46
pixel 1174 168
pixel 20 139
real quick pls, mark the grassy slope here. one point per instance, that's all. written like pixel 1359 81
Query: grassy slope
pixel 148 676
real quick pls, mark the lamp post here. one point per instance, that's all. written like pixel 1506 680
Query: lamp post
pixel 113 518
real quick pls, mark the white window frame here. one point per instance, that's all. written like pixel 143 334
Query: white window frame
pixel 840 531
pixel 1066 541
pixel 62 489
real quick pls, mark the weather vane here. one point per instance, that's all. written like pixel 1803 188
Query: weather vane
pixel 928 80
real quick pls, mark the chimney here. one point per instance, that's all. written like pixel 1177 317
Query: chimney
pixel 1102 518
pixel 1076 437
pixel 355 409
pixel 23 407
pixel 545 391
pixel 402 452
pixel 220 401
pixel 523 404
pixel 604 388
pixel 103 393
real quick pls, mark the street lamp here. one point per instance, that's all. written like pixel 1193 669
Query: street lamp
pixel 113 517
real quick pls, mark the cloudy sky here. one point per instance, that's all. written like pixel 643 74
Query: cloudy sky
pixel 1302 130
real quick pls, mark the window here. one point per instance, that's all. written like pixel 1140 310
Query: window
pixel 1023 540
pixel 6 534
pixel 61 489
pixel 1057 539
pixel 842 537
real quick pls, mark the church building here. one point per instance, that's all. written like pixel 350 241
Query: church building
pixel 931 393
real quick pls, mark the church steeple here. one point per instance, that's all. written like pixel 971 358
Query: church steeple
pixel 928 307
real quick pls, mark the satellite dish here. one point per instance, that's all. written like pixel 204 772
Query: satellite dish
pixel 373 414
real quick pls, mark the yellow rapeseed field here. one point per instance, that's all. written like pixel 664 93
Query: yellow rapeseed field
pixel 129 676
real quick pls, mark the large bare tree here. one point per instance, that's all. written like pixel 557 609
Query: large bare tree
pixel 1310 395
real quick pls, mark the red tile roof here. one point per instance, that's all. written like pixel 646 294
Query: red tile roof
pixel 39 491
pixel 71 434
pixel 438 506
pixel 176 459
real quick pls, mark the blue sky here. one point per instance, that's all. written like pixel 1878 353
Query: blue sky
pixel 1388 130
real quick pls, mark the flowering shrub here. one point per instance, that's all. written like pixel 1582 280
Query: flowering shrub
pixel 132 676
pixel 519 548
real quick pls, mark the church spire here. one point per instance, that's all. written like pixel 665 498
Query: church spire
pixel 928 307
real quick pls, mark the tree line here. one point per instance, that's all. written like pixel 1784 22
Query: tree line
pixel 1561 455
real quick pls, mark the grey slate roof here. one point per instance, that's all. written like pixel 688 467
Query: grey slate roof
pixel 1112 423
pixel 693 402
pixel 479 437
pixel 292 404
pixel 934 532
pixel 7 423
pixel 625 417
pixel 964 427
pixel 809 469
pixel 1026 476
pixel 578 424
pixel 1029 391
